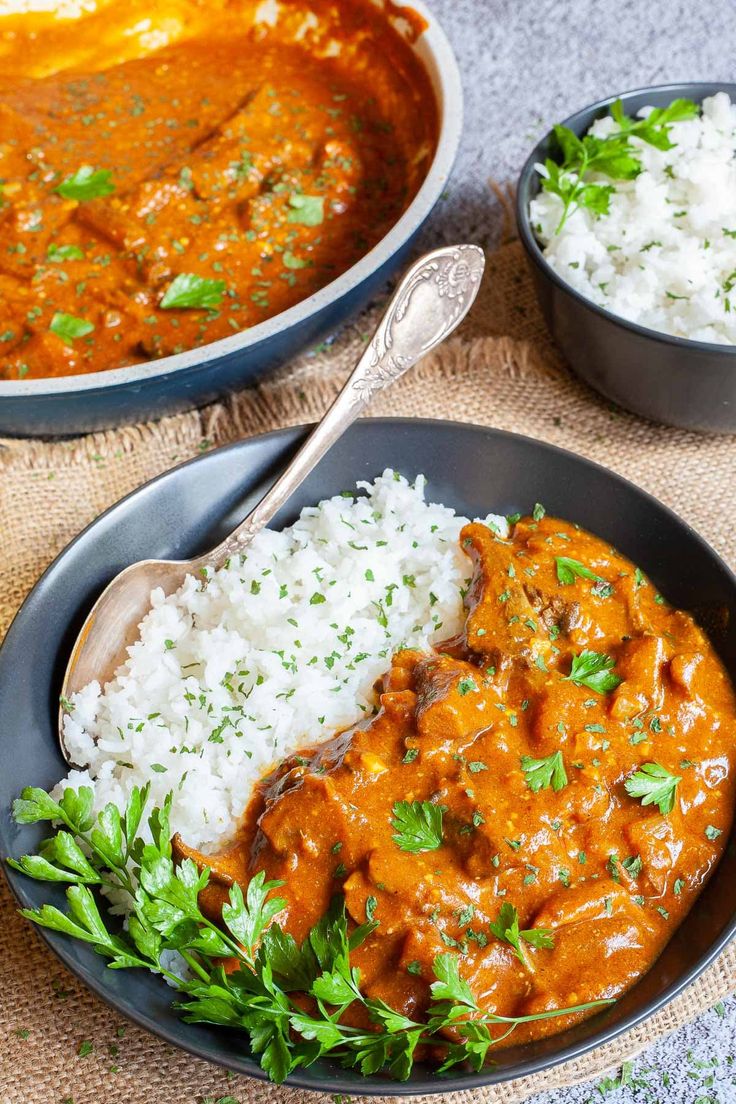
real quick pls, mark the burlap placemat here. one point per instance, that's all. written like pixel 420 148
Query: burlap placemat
pixel 503 371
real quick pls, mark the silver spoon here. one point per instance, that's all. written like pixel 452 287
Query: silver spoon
pixel 430 302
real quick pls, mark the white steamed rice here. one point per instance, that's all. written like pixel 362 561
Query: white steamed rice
pixel 665 255
pixel 270 654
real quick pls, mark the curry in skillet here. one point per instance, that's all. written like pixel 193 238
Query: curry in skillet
pixel 164 187
pixel 543 796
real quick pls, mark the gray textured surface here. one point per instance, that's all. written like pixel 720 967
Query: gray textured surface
pixel 527 64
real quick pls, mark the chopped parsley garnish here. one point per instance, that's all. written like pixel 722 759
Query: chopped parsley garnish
pixel 69 328
pixel 653 785
pixel 187 291
pixel 603 589
pixel 568 569
pixel 292 261
pixel 466 685
pixel 64 253
pixel 542 773
pixel 712 833
pixel 306 210
pixel 417 825
pixel 87 183
pixel 506 928
pixel 632 865
pixel 594 670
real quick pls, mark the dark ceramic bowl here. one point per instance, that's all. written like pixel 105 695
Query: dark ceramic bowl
pixel 684 383
pixel 190 509
pixel 100 400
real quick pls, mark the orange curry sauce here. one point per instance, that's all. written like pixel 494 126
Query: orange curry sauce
pixel 608 877
pixel 263 158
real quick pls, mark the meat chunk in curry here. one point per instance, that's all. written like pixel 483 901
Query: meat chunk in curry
pixel 530 736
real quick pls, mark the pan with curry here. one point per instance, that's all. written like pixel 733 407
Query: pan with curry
pixel 172 178
pixel 525 821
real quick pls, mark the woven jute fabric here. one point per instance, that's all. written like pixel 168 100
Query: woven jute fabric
pixel 502 371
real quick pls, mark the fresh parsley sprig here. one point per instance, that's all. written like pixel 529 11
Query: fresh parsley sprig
pixel 256 996
pixel 594 670
pixel 188 291
pixel 506 928
pixel 539 774
pixel 613 156
pixel 417 825
pixel 568 570
pixel 653 784
pixel 86 183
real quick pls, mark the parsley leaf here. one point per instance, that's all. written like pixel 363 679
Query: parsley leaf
pixel 292 261
pixel 247 918
pixel 541 773
pixel 506 928
pixel 255 996
pixel 613 156
pixel 653 785
pixel 594 670
pixel 418 825
pixel 568 569
pixel 64 253
pixel 86 183
pixel 306 210
pixel 187 291
pixel 466 685
pixel 68 328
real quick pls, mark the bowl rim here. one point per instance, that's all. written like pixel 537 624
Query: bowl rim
pixel 534 251
pixel 429 1083
pixel 436 54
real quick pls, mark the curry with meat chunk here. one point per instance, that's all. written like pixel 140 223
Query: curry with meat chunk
pixel 157 199
pixel 544 795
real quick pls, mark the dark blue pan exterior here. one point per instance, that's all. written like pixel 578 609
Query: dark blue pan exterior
pixel 72 410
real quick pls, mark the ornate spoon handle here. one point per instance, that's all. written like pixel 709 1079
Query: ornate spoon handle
pixel 430 302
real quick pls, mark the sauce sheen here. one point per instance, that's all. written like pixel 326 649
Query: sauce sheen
pixel 609 877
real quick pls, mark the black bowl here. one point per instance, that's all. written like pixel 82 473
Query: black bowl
pixel 684 383
pixel 189 510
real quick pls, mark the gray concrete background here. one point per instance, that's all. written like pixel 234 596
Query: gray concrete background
pixel 527 64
